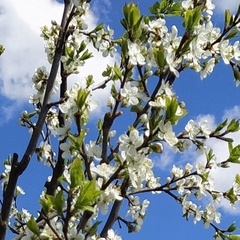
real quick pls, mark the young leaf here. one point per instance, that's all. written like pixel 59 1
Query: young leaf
pixel 159 57
pixel 228 18
pixel 232 227
pixel 232 34
pixel 233 126
pixel 234 237
pixel 236 73
pixel 88 195
pixel 192 18
pixel 93 230
pixel 237 179
pixel 59 202
pixel 32 225
pixel 117 71
pixel 171 110
pixel 76 174
pixel 231 196
pixel 235 155
pixel 221 126
pixel 46 203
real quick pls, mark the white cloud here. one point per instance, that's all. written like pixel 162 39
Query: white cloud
pixel 7 112
pixel 221 5
pixel 102 8
pixel 20 23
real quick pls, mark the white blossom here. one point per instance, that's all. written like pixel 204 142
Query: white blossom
pixel 94 150
pixel 192 129
pixel 135 55
pixel 167 133
pixel 130 143
pixel 129 94
pixel 112 235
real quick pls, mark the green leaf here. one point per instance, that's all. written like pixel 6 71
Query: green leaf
pixel 98 27
pixel 93 230
pixel 117 71
pixel 82 97
pixel 135 14
pixel 234 237
pixel 171 109
pixel 86 55
pixel 70 53
pixel 99 124
pixel 81 136
pixel 197 14
pixel 221 126
pixel 32 225
pixel 89 81
pixel 132 20
pixel 166 8
pixel 232 34
pixel 234 155
pixel 186 46
pixel 233 126
pixel 131 14
pixel 82 46
pixel 229 140
pixel 175 9
pixel 154 8
pixel 46 203
pixel 192 18
pixel 236 73
pixel 231 196
pixel 237 179
pixel 232 227
pixel 76 174
pixel 159 57
pixel 225 165
pixel 210 155
pixel 228 18
pixel 88 194
pixel 107 72
pixel 59 202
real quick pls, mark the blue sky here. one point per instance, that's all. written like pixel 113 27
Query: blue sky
pixel 214 98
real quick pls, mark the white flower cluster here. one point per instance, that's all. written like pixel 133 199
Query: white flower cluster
pixel 104 43
pixel 200 183
pixel 50 36
pixel 137 210
pixel 208 7
pixel 40 79
pixel 139 166
pixel 130 94
pixel 135 55
pixel 194 129
pixel 205 49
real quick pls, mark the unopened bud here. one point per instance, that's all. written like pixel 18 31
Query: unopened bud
pixel 157 147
